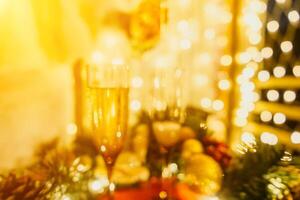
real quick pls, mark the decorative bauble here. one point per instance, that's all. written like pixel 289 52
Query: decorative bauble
pixel 217 150
pixel 190 147
pixel 203 174
pixel 166 133
pixel 140 141
pixel 128 169
pixel 144 27
pixel 186 133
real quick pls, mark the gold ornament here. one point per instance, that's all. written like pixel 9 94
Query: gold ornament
pixel 190 147
pixel 144 27
pixel 186 133
pixel 203 174
pixel 166 133
pixel 129 169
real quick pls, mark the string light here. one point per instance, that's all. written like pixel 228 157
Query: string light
pixel 71 129
pixel 218 105
pixel 279 72
pixel 286 46
pixel 224 84
pixel 289 96
pixel 209 34
pixel 226 60
pixel 98 185
pixel 182 26
pixel 269 138
pixel 263 76
pixel 273 26
pixel 266 116
pixel 255 39
pixel 293 16
pixel 295 137
pixel 137 82
pixel 206 102
pixel 248 138
pixel 185 44
pixel 272 95
pixel 135 105
pixel 267 52
pixel 201 80
pixel 279 118
pixel 248 72
pixel 281 1
pixel 296 70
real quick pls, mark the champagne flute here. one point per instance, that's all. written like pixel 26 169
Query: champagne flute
pixel 168 113
pixel 110 92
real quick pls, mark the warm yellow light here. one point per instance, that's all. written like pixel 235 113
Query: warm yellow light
pixel 224 84
pixel 258 57
pixel 218 105
pixel 263 76
pixel 252 65
pixel 254 38
pixel 252 21
pixel 248 138
pixel 112 187
pixel 156 82
pixel 117 61
pixel 281 1
pixel 182 26
pixel 209 198
pixel 71 129
pixel 293 16
pixel 99 185
pixel 258 6
pixel 279 72
pixel 242 113
pixel 226 17
pixel 273 26
pixel 279 118
pixel 240 122
pixel 286 46
pixel 97 57
pixel 266 116
pixel 289 96
pixel 135 105
pixel 256 97
pixel 184 3
pixel 272 95
pixel 226 60
pixel 163 195
pixel 295 137
pixel 137 82
pixel 222 41
pixel 209 34
pixel 185 44
pixel 269 138
pixel 296 70
pixel 159 105
pixel 248 72
pixel 65 196
pixel 206 102
pixel 243 58
pixel 201 80
pixel 267 52
pixel 204 59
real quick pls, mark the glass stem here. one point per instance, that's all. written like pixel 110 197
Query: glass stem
pixel 110 193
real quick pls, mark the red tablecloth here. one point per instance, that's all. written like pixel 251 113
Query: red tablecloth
pixel 152 189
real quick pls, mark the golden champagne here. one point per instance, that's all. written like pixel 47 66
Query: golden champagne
pixel 110 119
